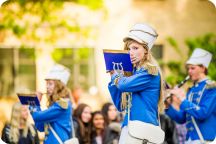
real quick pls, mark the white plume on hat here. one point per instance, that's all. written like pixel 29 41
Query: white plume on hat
pixel 200 57
pixel 59 72
pixel 142 33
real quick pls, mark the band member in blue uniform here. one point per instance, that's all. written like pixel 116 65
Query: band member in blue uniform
pixel 58 114
pixel 145 84
pixel 197 107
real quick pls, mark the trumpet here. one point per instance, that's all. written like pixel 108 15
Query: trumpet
pixel 178 86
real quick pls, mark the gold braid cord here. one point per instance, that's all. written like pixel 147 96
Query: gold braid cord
pixel 124 100
pixel 152 69
pixel 210 84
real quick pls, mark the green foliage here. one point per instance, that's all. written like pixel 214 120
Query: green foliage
pixel 1 26
pixel 178 72
pixel 173 65
pixel 84 53
pixel 16 17
pixel 93 4
pixel 75 55
pixel 174 44
pixel 207 42
pixel 46 15
pixel 26 69
pixel 59 54
pixel 28 53
pixel 18 30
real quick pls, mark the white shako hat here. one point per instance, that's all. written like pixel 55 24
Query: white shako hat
pixel 142 33
pixel 200 57
pixel 59 72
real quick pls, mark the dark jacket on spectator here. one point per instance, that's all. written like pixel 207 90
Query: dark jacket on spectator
pixel 22 140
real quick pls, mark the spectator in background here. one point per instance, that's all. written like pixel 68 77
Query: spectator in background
pixel 109 112
pixel 20 130
pixel 169 128
pixel 76 92
pixel 101 134
pixel 82 117
pixel 98 126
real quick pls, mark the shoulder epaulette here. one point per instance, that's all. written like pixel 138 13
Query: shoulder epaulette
pixel 152 69
pixel 210 84
pixel 63 103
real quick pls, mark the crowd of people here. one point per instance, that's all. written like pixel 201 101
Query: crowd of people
pixel 98 127
pixel 148 116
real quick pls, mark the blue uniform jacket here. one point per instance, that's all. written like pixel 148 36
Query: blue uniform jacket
pixel 145 89
pixel 201 104
pixel 58 117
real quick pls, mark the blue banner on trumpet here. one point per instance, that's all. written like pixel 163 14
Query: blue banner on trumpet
pixel 29 99
pixel 117 60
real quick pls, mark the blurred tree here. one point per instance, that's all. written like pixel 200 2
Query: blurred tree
pixel 34 22
pixel 93 4
pixel 207 42
pixel 45 24
pixel 42 27
pixel 176 67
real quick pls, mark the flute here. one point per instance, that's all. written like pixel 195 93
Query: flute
pixel 178 86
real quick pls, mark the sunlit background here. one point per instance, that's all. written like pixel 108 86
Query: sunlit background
pixel 35 34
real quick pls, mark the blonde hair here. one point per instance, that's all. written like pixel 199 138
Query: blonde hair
pixel 60 91
pixel 15 123
pixel 149 63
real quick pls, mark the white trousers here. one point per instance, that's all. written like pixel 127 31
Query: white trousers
pixel 124 133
